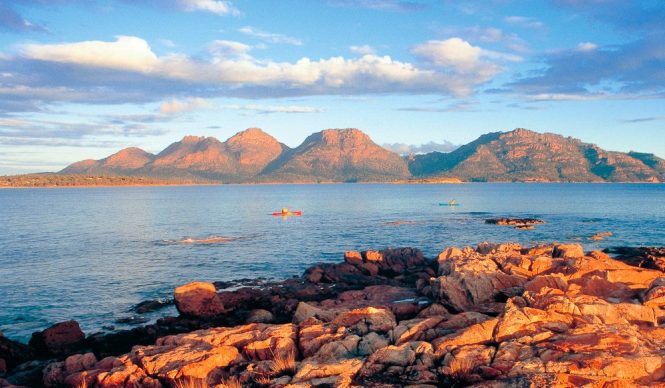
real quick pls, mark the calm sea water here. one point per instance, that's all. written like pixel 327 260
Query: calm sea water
pixel 91 253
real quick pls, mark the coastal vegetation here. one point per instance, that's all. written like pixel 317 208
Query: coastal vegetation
pixel 79 180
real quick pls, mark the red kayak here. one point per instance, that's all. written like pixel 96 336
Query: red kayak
pixel 294 213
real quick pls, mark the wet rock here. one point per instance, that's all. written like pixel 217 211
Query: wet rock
pixel 132 320
pixel 244 298
pixel 600 236
pixel 28 374
pixel 353 258
pixel 643 257
pixel 198 299
pixel 524 227
pixel 514 221
pixel 12 353
pixel 151 305
pixel 60 339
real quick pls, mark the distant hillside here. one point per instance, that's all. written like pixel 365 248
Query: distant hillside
pixel 523 155
pixel 339 155
pixel 79 180
pixel 121 163
pixel 349 155
pixel 241 157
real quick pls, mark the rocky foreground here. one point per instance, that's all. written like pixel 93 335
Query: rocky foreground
pixel 494 315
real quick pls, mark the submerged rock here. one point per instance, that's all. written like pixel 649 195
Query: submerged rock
pixel 151 305
pixel 514 221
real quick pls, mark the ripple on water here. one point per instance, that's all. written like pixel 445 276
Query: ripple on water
pixel 104 250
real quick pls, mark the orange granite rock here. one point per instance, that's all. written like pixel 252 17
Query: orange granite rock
pixel 499 316
pixel 198 299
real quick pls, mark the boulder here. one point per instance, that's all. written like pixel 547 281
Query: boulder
pixel 12 353
pixel 468 362
pixel 353 258
pixel 502 315
pixel 305 311
pixel 478 334
pixel 551 281
pixel 198 299
pixel 332 373
pixel 367 319
pixel 655 294
pixel 260 316
pixel 419 329
pixel 60 339
pixel 569 251
pixel 471 282
pixel 409 363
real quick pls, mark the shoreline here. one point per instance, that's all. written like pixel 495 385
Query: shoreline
pixel 360 316
pixel 310 183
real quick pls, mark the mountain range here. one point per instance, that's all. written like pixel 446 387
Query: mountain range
pixel 349 155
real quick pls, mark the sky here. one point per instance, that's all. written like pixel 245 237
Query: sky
pixel 84 79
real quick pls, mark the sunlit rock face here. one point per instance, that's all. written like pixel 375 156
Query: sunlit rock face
pixel 497 314
pixel 349 155
pixel 524 155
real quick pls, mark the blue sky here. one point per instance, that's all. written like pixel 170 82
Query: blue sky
pixel 83 79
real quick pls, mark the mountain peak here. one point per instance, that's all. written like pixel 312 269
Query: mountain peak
pixel 522 132
pixel 128 158
pixel 251 134
pixel 189 139
pixel 344 135
pixel 348 154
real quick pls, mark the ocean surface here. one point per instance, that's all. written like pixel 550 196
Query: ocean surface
pixel 90 254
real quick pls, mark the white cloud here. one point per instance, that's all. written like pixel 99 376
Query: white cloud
pixel 586 46
pixel 267 109
pixel 523 21
pixel 228 49
pixel 126 53
pixel 218 7
pixel 460 56
pixel 270 36
pixel 180 106
pixel 454 67
pixel 363 50
pixel 568 97
pixel 453 53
